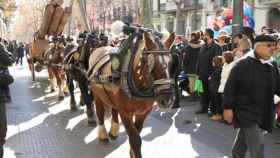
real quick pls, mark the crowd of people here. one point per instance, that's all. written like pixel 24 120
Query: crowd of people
pixel 239 75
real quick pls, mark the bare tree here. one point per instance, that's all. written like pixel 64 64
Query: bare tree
pixel 179 6
pixel 28 20
pixel 146 13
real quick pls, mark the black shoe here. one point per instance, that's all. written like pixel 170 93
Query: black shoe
pixel 175 106
pixel 278 124
pixel 1 152
pixel 202 111
pixel 9 99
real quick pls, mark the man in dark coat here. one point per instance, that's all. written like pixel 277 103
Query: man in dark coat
pixel 204 67
pixel 248 97
pixel 176 53
pixel 20 53
pixel 6 59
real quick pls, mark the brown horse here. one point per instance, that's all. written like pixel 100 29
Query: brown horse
pixel 53 58
pixel 151 71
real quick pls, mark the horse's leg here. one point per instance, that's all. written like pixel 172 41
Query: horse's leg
pixel 57 74
pixel 64 86
pixel 139 120
pixel 133 136
pixel 70 84
pixel 82 103
pixel 51 77
pixel 100 112
pixel 87 99
pixel 115 127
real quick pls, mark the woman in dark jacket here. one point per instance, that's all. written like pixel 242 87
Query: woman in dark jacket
pixel 6 59
pixel 190 56
pixel 214 83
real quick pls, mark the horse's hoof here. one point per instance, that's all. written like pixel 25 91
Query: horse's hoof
pixel 82 104
pixel 60 98
pixel 91 123
pixel 112 137
pixel 73 108
pixel 66 94
pixel 104 141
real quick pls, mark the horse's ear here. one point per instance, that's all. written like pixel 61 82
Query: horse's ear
pixel 149 43
pixel 168 43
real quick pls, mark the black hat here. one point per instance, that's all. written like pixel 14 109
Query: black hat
pixel 69 39
pixel 264 38
pixel 83 35
pixel 93 35
pixel 127 19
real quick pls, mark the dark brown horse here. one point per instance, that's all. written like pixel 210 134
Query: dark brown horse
pixel 76 65
pixel 152 81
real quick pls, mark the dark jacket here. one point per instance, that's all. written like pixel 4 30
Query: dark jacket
pixel 215 80
pixel 205 57
pixel 176 51
pixel 249 91
pixel 20 51
pixel 6 60
pixel 190 57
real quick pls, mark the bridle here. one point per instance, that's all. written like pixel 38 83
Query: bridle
pixel 162 83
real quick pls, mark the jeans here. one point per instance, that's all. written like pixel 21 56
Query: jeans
pixel 248 138
pixel 205 96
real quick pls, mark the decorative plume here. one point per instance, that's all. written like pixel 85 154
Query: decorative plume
pixel 117 28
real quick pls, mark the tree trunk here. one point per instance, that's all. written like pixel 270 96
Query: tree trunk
pixel 146 14
pixel 237 20
pixel 179 25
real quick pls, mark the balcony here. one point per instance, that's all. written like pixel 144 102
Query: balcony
pixel 187 5
pixel 268 2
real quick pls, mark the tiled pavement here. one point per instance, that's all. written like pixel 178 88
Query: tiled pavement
pixel 42 127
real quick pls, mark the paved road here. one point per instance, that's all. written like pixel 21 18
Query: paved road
pixel 42 127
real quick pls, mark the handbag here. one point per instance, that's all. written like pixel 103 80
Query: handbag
pixel 198 88
pixel 5 78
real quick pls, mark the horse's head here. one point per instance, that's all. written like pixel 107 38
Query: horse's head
pixel 93 40
pixel 154 69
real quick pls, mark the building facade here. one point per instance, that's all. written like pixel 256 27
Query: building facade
pixel 195 14
pixel 7 8
pixel 260 11
pixel 108 11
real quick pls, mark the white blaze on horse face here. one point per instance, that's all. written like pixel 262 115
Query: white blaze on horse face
pixel 151 62
pixel 163 60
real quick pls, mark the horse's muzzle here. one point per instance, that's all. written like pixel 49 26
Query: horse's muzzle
pixel 165 94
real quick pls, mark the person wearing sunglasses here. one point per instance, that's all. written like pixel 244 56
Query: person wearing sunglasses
pixel 248 97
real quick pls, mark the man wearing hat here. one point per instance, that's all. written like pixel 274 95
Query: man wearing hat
pixel 248 97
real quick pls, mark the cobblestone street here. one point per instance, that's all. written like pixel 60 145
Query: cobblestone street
pixel 39 126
